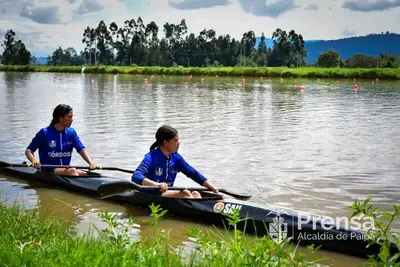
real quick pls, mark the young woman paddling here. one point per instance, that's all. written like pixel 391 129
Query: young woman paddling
pixel 160 166
pixel 56 142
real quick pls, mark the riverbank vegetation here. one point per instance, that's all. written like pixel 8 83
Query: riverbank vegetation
pixel 26 238
pixel 135 43
pixel 306 72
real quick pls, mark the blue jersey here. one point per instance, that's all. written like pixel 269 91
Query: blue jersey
pixel 158 168
pixel 55 148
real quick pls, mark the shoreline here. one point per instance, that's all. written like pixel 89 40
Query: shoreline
pixel 304 72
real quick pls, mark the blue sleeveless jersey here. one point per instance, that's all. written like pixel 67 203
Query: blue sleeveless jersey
pixel 55 148
pixel 158 168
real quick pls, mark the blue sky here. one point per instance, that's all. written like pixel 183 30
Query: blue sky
pixel 43 25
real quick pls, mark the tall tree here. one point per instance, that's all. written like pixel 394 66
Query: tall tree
pixel 15 52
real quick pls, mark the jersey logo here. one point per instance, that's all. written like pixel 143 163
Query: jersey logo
pixel 52 143
pixel 159 171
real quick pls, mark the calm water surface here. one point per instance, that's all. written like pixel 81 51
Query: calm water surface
pixel 315 150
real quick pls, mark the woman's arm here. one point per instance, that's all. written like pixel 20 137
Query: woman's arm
pixel 81 149
pixel 36 142
pixel 32 159
pixel 86 156
pixel 144 168
pixel 192 173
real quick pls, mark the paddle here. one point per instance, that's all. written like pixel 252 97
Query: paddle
pixel 6 165
pixel 118 187
pixel 109 190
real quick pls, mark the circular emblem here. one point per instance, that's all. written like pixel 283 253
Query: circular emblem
pixel 218 207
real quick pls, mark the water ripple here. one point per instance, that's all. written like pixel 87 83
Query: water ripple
pixel 314 151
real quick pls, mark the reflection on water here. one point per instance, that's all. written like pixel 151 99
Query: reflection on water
pixel 315 150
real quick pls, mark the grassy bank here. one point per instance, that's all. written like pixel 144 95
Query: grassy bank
pixel 221 71
pixel 29 240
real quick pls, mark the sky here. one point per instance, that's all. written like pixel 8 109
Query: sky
pixel 45 25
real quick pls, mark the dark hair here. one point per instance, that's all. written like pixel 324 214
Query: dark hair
pixel 60 111
pixel 164 133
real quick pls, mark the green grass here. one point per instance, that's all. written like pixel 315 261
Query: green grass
pixel 29 240
pixel 307 72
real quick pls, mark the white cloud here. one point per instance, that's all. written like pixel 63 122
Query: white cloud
pixel 348 33
pixel 55 11
pixel 268 8
pixel 43 39
pixel 312 7
pixel 371 5
pixel 48 12
pixel 197 4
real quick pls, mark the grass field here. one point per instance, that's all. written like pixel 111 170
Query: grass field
pixel 307 72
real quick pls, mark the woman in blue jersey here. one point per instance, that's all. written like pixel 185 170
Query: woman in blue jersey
pixel 160 166
pixel 56 142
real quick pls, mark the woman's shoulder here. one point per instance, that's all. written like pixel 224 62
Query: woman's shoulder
pixel 151 154
pixel 176 156
pixel 70 130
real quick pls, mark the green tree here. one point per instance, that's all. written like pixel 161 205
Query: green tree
pixel 361 61
pixel 329 59
pixel 388 60
pixel 15 52
pixel 89 36
pixel 288 49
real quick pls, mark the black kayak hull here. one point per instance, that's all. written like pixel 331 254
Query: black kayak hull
pixel 214 209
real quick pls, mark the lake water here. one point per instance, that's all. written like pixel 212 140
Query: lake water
pixel 314 150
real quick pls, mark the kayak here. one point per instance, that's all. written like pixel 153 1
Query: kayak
pixel 214 209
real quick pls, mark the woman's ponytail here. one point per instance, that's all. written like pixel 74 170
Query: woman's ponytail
pixel 154 145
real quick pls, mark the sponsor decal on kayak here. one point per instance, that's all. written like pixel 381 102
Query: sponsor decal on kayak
pixel 226 208
pixel 218 207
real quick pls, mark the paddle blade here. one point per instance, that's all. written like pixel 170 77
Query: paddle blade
pixel 235 195
pixel 111 189
pixel 6 165
pixel 115 188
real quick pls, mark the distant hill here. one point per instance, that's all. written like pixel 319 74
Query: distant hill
pixel 41 61
pixel 370 45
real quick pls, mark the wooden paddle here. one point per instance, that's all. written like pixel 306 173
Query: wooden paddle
pixel 109 190
pixel 6 165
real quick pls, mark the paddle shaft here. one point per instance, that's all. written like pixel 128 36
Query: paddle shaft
pixel 125 185
pixel 109 190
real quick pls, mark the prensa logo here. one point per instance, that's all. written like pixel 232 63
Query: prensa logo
pixel 357 223
pixel 358 227
pixel 278 230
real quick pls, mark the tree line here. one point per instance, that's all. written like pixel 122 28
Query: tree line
pixel 136 43
pixel 331 59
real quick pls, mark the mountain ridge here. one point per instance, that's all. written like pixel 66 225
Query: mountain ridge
pixel 371 44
